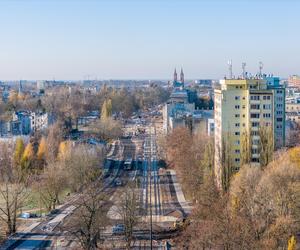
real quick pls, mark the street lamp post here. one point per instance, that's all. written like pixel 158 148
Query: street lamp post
pixel 150 200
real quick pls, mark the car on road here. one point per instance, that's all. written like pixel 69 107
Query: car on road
pixel 118 182
pixel 118 229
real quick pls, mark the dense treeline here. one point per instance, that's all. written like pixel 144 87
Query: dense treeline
pixel 260 209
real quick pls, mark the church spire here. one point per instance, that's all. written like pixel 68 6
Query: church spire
pixel 181 76
pixel 175 75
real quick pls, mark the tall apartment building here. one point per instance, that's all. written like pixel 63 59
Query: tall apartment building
pixel 243 106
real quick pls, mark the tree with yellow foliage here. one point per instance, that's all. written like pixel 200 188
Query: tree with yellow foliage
pixel 294 155
pixel 63 150
pixel 292 243
pixel 106 110
pixel 42 150
pixel 19 150
pixel 27 157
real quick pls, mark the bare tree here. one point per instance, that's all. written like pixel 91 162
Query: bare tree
pixel 245 148
pixel 107 129
pixel 53 139
pixel 83 165
pixel 51 183
pixel 129 213
pixel 89 219
pixel 266 147
pixel 12 189
pixel 226 161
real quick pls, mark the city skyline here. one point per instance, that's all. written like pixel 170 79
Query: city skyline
pixel 71 40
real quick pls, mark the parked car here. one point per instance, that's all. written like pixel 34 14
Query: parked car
pixel 26 215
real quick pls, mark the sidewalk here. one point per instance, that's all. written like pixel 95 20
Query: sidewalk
pixel 180 195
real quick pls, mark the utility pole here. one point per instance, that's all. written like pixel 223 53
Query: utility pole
pixel 150 190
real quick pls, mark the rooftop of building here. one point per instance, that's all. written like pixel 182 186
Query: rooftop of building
pixel 29 112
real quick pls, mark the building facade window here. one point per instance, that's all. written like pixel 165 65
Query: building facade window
pixel 267 106
pixel 255 97
pixel 255 106
pixel 254 133
pixel 254 115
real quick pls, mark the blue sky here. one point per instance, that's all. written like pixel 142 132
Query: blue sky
pixel 146 39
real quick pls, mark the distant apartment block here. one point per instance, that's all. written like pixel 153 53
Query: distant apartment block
pixel 294 81
pixel 243 106
pixel 24 123
pixel 292 111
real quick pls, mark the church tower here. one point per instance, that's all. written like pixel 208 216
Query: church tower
pixel 181 76
pixel 175 75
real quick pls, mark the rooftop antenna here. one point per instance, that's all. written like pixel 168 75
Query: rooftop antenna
pixel 244 69
pixel 261 65
pixel 230 68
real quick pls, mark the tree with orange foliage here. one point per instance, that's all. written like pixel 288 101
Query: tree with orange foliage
pixel 27 157
pixel 42 150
